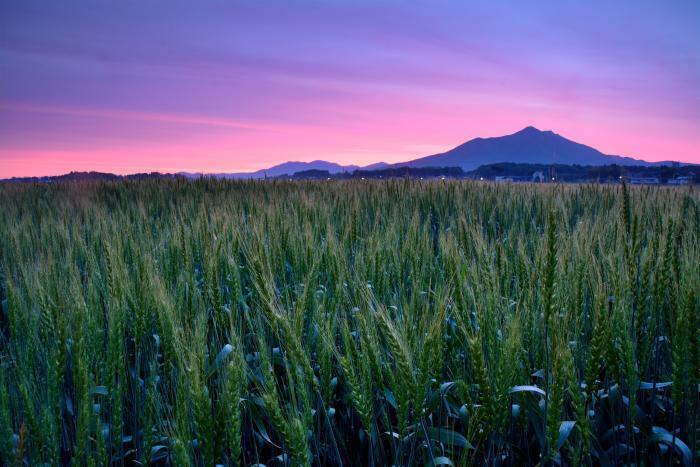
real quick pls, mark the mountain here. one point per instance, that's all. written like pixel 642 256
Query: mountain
pixel 286 168
pixel 527 146
pixel 90 177
pixel 290 168
pixel 376 166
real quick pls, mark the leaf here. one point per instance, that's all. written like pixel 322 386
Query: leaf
pixel 619 430
pixel 442 460
pixel 437 398
pixel 220 359
pixel 69 406
pixel 613 394
pixel 463 414
pixel 679 446
pixel 449 437
pixel 262 431
pixel 619 451
pixel 278 357
pixel 389 396
pixel 534 389
pixel 565 429
pixel 101 390
pixel 445 387
pixel 158 452
pixel 647 386
pixel 535 415
pixel 156 340
pixel 515 410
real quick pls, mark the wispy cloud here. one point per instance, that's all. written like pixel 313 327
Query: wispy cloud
pixel 144 116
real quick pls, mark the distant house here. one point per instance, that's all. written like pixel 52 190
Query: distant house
pixel 685 180
pixel 644 180
pixel 503 178
pixel 538 176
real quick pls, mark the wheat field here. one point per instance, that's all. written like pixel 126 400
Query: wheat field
pixel 394 322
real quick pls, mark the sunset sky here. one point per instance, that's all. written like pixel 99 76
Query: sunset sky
pixel 226 86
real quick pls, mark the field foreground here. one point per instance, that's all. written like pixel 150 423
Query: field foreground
pixel 354 323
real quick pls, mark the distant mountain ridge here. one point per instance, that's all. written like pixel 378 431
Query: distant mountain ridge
pixel 91 177
pixel 286 168
pixel 527 146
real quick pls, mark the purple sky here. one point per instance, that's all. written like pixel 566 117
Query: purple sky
pixel 223 86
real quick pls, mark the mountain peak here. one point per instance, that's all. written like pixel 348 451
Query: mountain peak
pixel 529 129
pixel 527 146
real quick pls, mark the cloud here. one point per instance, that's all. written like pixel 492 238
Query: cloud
pixel 142 116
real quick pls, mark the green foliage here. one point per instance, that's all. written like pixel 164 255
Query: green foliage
pixel 395 322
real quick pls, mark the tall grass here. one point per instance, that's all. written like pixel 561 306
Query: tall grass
pixel 348 323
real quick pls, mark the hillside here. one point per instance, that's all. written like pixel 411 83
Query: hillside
pixel 527 146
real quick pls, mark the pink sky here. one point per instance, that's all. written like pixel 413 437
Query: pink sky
pixel 238 87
